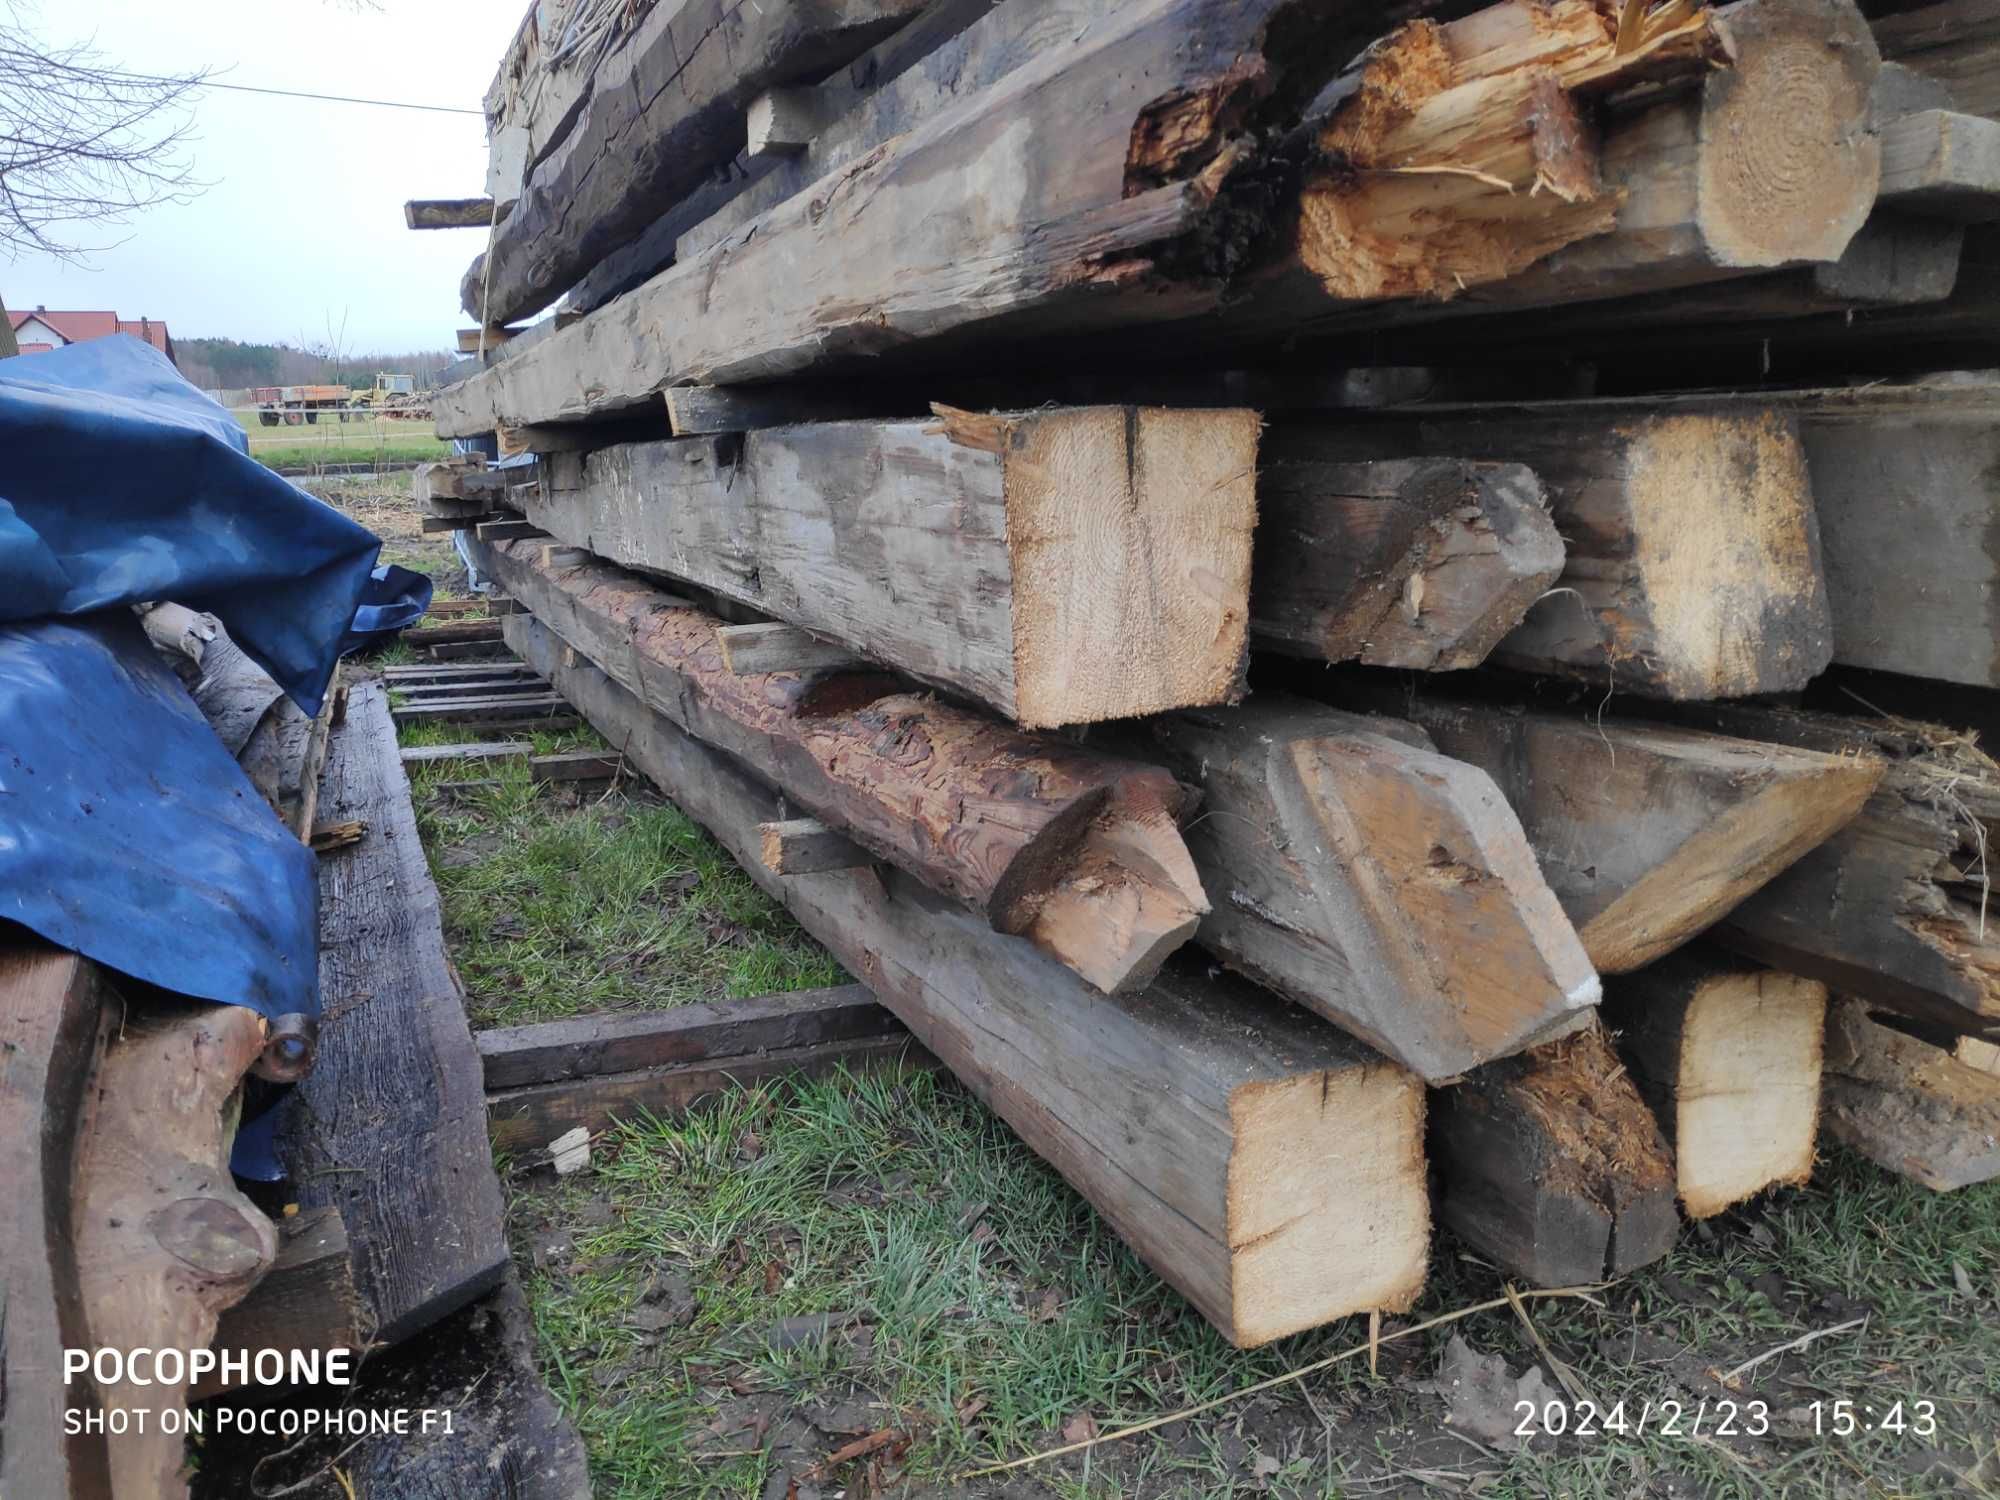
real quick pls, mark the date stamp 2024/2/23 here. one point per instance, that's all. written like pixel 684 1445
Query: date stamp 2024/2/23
pixel 1842 1418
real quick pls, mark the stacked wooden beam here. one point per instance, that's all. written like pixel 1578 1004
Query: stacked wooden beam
pixel 954 419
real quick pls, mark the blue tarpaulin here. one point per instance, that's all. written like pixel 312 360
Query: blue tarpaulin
pixel 127 832
pixel 120 482
pixel 392 599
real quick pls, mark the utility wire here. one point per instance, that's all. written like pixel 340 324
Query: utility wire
pixel 244 88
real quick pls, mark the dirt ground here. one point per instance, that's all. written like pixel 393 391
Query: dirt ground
pixel 867 1286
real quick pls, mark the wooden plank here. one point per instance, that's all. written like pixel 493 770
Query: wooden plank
pixel 577 765
pixel 1278 1182
pixel 1943 164
pixel 628 1042
pixel 806 846
pixel 1649 834
pixel 513 709
pixel 525 1120
pixel 1392 853
pixel 452 633
pixel 777 647
pixel 1728 1056
pixel 463 651
pixel 507 531
pixel 477 340
pixel 1892 908
pixel 1418 563
pixel 1906 1104
pixel 449 213
pixel 666 106
pixel 1063 566
pixel 500 685
pixel 1070 846
pixel 57 1014
pixel 1693 555
pixel 883 271
pixel 701 410
pixel 1552 1166
pixel 433 525
pixel 390 1126
pixel 418 755
pixel 306 1301
pixel 423 672
pixel 165 1238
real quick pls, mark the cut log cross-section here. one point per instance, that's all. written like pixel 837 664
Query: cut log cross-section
pixel 1073 848
pixel 1649 834
pixel 1063 566
pixel 1278 1181
pixel 1417 563
pixel 1356 871
pixel 1553 1167
pixel 1728 1056
pixel 1693 552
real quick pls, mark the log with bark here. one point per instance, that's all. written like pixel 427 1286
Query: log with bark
pixel 1379 884
pixel 1552 1166
pixel 1180 122
pixel 1649 834
pixel 1278 1181
pixel 1728 1056
pixel 1906 1103
pixel 1693 554
pixel 1074 849
pixel 1063 566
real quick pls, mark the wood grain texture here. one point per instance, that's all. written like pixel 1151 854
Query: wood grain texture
pixel 1553 1167
pixel 1063 566
pixel 57 1014
pixel 1650 834
pixel 390 1126
pixel 1375 882
pixel 306 1301
pixel 1278 1180
pixel 1943 164
pixel 1908 1105
pixel 1693 551
pixel 1016 827
pixel 1954 41
pixel 1728 1056
pixel 1418 563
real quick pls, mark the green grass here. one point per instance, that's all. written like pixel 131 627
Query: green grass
pixel 851 1195
pixel 555 907
pixel 331 441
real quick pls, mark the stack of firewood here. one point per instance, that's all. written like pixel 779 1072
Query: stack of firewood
pixel 1339 605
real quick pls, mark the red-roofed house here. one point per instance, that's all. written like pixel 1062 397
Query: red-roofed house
pixel 40 331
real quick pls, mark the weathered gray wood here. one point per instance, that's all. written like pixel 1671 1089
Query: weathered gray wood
pixel 1552 1166
pixel 1278 1180
pixel 1942 164
pixel 450 213
pixel 512 708
pixel 783 122
pixel 57 1013
pixel 1347 863
pixel 464 483
pixel 1649 834
pixel 390 1126
pixel 1728 1056
pixel 1693 554
pixel 1417 563
pixel 1908 1105
pixel 453 633
pixel 698 410
pixel 806 846
pixel 666 104
pixel 1063 566
pixel 776 647
pixel 1893 907
pixel 1068 845
pixel 508 531
pixel 1955 41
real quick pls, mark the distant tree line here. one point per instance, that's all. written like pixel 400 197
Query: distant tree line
pixel 225 364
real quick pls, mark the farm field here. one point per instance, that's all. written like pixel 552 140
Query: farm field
pixel 360 440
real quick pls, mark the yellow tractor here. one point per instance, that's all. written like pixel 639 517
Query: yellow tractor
pixel 392 396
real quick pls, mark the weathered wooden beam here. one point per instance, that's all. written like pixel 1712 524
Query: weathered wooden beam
pixel 1892 907
pixel 464 483
pixel 1150 108
pixel 508 531
pixel 1693 554
pixel 774 646
pixel 453 633
pixel 1944 165
pixel 306 1301
pixel 1552 1166
pixel 1955 41
pixel 1728 1056
pixel 666 106
pixel 57 1016
pixel 1278 1182
pixel 783 122
pixel 1063 566
pixel 1908 1105
pixel 806 846
pixel 1074 848
pixel 701 410
pixel 450 213
pixel 1417 563
pixel 1649 834
pixel 1346 863
pixel 508 707
pixel 479 340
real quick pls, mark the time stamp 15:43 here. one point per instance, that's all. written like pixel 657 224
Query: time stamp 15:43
pixel 1720 1419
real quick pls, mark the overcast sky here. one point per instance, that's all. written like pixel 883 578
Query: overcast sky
pixel 303 226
